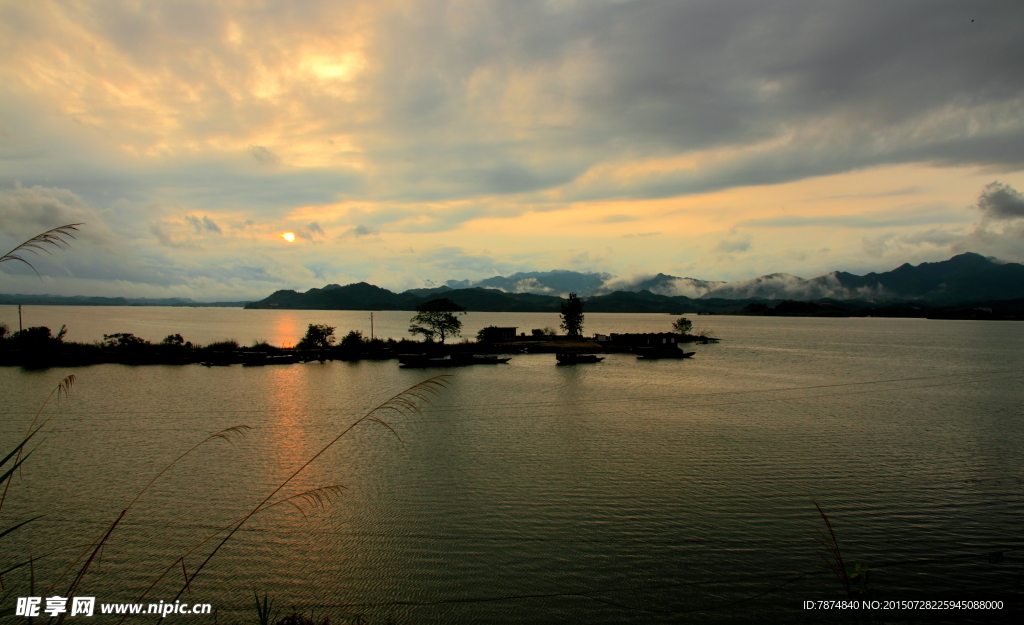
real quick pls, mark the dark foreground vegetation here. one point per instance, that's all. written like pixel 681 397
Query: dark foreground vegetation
pixel 40 347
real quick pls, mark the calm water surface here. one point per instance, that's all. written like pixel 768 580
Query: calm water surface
pixel 625 491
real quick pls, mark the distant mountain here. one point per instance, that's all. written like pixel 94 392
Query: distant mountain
pixel 81 300
pixel 438 291
pixel 60 300
pixel 964 279
pixel 363 296
pixel 967 277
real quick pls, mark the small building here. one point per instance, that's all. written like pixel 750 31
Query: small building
pixel 504 334
pixel 651 339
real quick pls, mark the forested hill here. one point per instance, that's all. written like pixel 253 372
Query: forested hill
pixel 964 280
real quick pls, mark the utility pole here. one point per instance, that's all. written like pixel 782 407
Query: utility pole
pixel 20 329
pixel 371 324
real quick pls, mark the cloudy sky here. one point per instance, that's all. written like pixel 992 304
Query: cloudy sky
pixel 410 142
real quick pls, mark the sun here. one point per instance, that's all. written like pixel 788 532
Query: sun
pixel 289 236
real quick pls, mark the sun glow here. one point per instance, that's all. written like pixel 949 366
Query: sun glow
pixel 289 236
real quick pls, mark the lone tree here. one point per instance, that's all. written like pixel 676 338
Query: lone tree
pixel 437 318
pixel 317 337
pixel 682 325
pixel 572 316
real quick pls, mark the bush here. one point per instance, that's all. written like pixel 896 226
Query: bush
pixel 318 336
pixel 123 340
pixel 38 335
pixel 490 334
pixel 173 340
pixel 223 346
pixel 353 340
pixel 265 347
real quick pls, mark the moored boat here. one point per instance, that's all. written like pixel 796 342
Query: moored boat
pixel 420 361
pixel 653 353
pixel 474 359
pixel 570 358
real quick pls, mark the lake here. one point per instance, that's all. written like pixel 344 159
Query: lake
pixel 620 492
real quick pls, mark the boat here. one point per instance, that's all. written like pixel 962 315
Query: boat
pixel 222 359
pixel 570 358
pixel 259 359
pixel 654 353
pixel 421 361
pixel 474 359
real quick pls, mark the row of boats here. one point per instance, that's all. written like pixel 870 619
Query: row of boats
pixel 422 361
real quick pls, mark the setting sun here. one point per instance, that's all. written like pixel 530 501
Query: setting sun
pixel 289 236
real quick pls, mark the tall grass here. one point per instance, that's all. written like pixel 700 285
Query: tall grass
pixel 52 238
pixel 404 404
pixel 831 553
pixel 91 552
pixel 17 457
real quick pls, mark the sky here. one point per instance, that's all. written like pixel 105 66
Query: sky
pixel 407 143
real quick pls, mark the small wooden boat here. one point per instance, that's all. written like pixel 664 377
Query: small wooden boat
pixel 422 361
pixel 259 359
pixel 570 358
pixel 653 353
pixel 473 359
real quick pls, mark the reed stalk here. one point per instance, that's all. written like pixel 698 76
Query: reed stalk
pixel 406 403
pixel 54 237
pixel 831 553
pixel 94 548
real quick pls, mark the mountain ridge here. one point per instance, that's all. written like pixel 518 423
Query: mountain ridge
pixel 962 279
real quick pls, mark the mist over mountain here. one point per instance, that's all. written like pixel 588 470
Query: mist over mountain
pixel 964 277
pixel 557 282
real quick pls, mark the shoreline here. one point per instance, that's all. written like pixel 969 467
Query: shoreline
pixel 51 352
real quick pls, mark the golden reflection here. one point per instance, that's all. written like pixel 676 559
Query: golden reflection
pixel 289 425
pixel 286 329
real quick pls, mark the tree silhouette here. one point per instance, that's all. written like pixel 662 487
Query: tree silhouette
pixel 437 318
pixel 572 316
pixel 682 325
pixel 317 336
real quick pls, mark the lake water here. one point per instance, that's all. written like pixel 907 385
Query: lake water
pixel 624 491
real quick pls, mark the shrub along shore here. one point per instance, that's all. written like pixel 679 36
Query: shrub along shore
pixel 39 347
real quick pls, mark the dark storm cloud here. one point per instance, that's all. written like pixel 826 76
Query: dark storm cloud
pixel 460 110
pixel 503 98
pixel 1001 201
pixel 844 85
